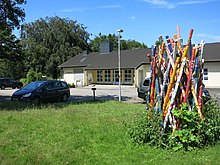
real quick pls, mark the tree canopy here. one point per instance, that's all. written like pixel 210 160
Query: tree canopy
pixel 125 44
pixel 49 42
pixel 11 16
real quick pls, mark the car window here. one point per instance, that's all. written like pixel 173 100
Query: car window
pixel 32 85
pixel 57 84
pixel 146 82
pixel 48 86
pixel 64 84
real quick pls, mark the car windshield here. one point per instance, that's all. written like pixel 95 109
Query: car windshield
pixel 146 82
pixel 32 85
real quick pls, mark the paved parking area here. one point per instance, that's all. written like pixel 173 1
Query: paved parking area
pixel 103 92
pixel 106 92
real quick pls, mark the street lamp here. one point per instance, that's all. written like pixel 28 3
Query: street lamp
pixel 119 63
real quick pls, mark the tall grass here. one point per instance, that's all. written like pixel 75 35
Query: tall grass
pixel 83 133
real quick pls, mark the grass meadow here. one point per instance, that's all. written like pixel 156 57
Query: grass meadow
pixel 83 133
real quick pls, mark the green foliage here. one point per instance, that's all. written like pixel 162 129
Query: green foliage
pixel 49 42
pixel 112 38
pixel 11 68
pixel 72 85
pixel 191 131
pixel 146 128
pixel 188 134
pixel 32 76
pixel 11 15
pixel 210 131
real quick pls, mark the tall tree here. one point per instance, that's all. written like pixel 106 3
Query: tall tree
pixel 51 41
pixel 11 15
pixel 125 44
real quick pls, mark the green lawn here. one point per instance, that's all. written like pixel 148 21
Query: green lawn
pixel 84 133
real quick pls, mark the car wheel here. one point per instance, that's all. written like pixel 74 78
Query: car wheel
pixel 13 87
pixel 2 87
pixel 65 98
pixel 19 87
pixel 36 101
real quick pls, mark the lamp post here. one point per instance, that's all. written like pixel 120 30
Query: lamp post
pixel 119 63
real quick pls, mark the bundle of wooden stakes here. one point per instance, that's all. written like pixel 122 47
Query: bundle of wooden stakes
pixel 176 77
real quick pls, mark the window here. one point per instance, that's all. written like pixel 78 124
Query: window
pixel 48 86
pixel 64 84
pixel 99 75
pixel 128 75
pixel 146 82
pixel 78 71
pixel 57 84
pixel 205 77
pixel 107 75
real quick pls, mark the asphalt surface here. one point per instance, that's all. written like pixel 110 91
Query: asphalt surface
pixel 103 92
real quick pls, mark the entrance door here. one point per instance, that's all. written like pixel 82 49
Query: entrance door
pixel 140 77
pixel 116 77
pixel 78 77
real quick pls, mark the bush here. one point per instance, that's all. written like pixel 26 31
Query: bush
pixel 72 85
pixel 147 128
pixel 31 76
pixel 192 132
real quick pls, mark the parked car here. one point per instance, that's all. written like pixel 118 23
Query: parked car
pixel 9 82
pixel 43 91
pixel 144 86
pixel 205 95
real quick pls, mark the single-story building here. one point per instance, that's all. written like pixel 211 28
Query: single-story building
pixel 102 67
pixel 212 65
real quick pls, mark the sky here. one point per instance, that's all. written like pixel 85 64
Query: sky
pixel 141 20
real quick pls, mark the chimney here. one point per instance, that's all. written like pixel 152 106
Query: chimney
pixel 105 47
pixel 85 52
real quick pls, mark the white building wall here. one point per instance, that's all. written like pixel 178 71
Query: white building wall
pixel 74 76
pixel 68 75
pixel 213 75
pixel 142 72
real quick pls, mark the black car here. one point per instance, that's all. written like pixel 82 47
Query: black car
pixel 9 82
pixel 143 88
pixel 43 91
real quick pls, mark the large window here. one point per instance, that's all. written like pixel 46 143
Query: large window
pixel 205 74
pixel 107 75
pixel 99 76
pixel 128 75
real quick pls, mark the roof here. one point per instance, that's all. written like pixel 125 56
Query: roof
pixel 129 58
pixel 212 52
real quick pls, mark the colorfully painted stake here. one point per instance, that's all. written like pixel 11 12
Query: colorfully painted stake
pixel 175 74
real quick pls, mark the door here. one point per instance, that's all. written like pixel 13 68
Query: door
pixel 78 76
pixel 140 77
pixel 116 77
pixel 48 93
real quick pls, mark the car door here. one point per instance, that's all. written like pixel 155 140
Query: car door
pixel 58 88
pixel 47 92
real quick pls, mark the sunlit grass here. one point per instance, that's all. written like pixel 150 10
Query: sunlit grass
pixel 84 133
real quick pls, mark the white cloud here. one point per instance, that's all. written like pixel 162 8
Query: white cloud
pixel 170 5
pixel 83 9
pixel 133 17
pixel 208 37
pixel 161 3
pixel 191 2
